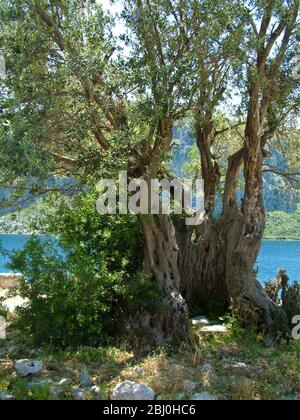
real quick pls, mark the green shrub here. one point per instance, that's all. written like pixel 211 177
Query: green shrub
pixel 3 309
pixel 291 303
pixel 272 289
pixel 288 305
pixel 85 296
pixel 69 300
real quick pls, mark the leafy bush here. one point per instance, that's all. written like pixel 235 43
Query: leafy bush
pixel 288 305
pixel 3 309
pixel 272 289
pixel 69 301
pixel 85 295
pixel 291 302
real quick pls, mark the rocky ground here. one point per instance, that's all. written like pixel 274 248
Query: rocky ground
pixel 219 363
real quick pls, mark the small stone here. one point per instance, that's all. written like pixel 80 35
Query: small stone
pixel 176 366
pixel 203 396
pixel 214 329
pixel 200 320
pixel 6 397
pixel 129 390
pixel 85 379
pixel 65 382
pixel 207 367
pixel 239 366
pixel 96 392
pixel 79 394
pixel 189 386
pixel 27 367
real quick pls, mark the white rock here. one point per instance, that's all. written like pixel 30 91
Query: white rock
pixel 27 367
pixel 85 379
pixel 189 386
pixel 239 366
pixel 207 367
pixel 203 396
pixel 79 394
pixel 200 320
pixel 129 390
pixel 214 329
pixel 95 391
pixel 65 382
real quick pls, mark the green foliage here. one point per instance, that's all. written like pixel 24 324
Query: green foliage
pixel 282 225
pixel 86 295
pixel 288 304
pixel 291 303
pixel 68 300
pixel 3 309
pixel 30 219
pixel 272 289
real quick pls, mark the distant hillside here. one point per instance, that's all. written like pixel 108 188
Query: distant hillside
pixel 282 225
pixel 25 221
pixel 277 195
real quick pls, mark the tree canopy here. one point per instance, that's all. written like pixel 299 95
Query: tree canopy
pixel 82 101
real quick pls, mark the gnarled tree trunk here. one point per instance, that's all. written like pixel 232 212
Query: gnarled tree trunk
pixel 245 291
pixel 217 258
pixel 201 264
pixel 170 323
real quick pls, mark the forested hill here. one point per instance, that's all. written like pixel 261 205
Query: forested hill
pixel 281 201
pixel 278 194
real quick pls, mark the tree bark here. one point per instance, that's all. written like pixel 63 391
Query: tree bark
pixel 201 264
pixel 209 167
pixel 217 258
pixel 245 292
pixel 170 324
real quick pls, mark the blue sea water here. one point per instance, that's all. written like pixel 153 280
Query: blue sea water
pixel 279 254
pixel 273 255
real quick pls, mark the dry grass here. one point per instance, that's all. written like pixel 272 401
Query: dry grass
pixel 269 374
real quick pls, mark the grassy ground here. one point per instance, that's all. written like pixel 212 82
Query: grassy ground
pixel 213 363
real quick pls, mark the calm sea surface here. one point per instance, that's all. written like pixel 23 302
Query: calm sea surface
pixel 273 255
